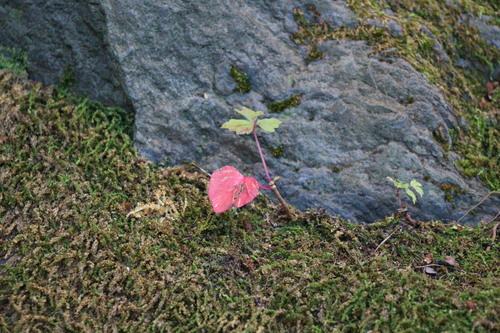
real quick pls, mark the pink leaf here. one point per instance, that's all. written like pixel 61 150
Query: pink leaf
pixel 249 190
pixel 229 188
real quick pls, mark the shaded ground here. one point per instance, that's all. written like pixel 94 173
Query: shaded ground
pixel 71 259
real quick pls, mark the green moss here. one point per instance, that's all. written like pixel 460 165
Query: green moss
pixel 13 59
pixel 93 236
pixel 309 31
pixel 451 191
pixel 277 151
pixel 280 106
pixel 241 79
pixel 67 81
pixel 314 54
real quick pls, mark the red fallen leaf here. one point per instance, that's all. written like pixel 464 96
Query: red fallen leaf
pixel 471 305
pixel 228 187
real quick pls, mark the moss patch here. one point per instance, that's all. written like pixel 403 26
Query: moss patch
pixel 13 59
pixel 95 238
pixel 451 191
pixel 432 30
pixel 241 79
pixel 280 106
pixel 277 151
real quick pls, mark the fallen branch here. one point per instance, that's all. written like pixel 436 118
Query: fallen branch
pixel 479 203
pixel 494 235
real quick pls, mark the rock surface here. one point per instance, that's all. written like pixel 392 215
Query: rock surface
pixel 362 117
pixel 62 37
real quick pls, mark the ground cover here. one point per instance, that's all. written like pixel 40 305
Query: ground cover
pixel 95 238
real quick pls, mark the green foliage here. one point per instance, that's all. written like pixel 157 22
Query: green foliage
pixel 280 106
pixel 242 80
pixel 417 187
pixel 95 238
pixel 241 126
pixel 13 59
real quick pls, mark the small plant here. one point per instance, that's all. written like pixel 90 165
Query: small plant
pixel 228 187
pixel 13 59
pixel 417 187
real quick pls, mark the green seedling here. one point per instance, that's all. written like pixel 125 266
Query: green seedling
pixel 230 188
pixel 407 187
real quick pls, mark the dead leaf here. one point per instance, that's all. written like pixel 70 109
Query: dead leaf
pixel 483 104
pixel 490 87
pixel 448 261
pixel 428 258
pixel 430 270
pixel 471 305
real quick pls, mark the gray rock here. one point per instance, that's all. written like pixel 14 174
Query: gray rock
pixel 438 47
pixel 490 33
pixel 62 35
pixel 392 26
pixel 362 118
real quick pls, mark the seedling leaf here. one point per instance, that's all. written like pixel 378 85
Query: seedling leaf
pixel 249 114
pixel 411 195
pixel 397 183
pixel 240 126
pixel 417 187
pixel 269 124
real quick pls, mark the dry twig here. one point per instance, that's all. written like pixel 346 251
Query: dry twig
pixel 494 235
pixel 479 203
pixel 385 240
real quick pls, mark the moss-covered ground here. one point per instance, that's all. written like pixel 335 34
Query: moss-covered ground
pixel 93 238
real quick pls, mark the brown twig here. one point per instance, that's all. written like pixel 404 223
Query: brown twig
pixel 493 219
pixel 284 204
pixel 479 203
pixel 494 236
pixel 201 169
pixel 430 265
pixel 385 240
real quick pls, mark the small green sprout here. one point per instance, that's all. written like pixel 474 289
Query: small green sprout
pixel 242 126
pixel 416 186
